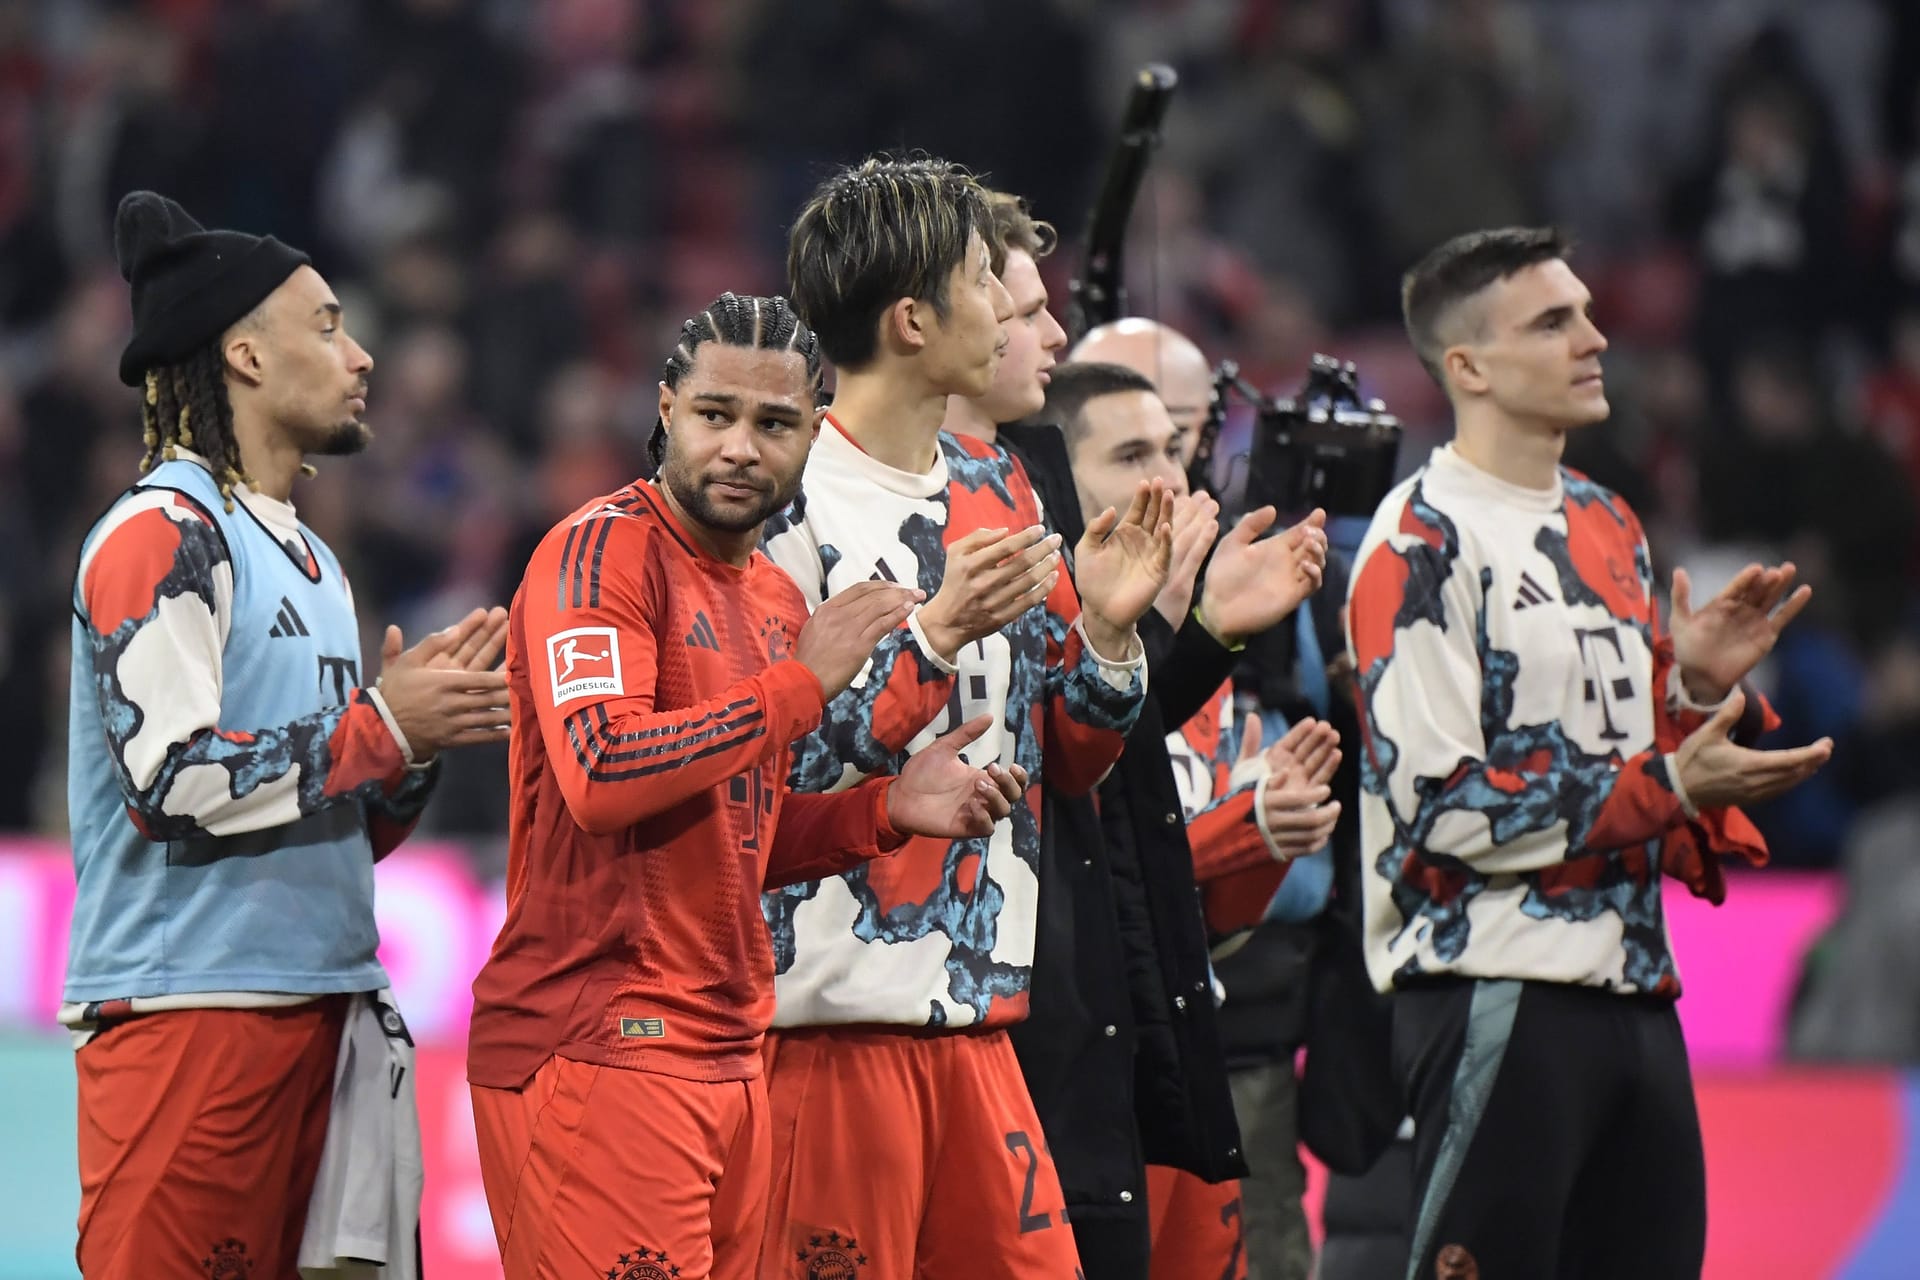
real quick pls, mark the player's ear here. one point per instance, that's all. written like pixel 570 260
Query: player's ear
pixel 1464 370
pixel 905 324
pixel 819 416
pixel 243 354
pixel 666 403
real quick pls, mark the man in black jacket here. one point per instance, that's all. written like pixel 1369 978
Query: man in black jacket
pixel 1120 1050
pixel 1301 965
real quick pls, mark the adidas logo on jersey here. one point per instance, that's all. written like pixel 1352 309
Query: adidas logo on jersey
pixel 287 622
pixel 702 636
pixel 600 512
pixel 1531 593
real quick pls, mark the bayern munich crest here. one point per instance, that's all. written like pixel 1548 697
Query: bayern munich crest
pixel 832 1257
pixel 643 1264
pixel 227 1260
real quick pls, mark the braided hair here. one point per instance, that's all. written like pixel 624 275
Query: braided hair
pixel 765 324
pixel 186 407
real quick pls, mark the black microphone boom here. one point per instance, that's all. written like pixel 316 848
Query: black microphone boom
pixel 1098 295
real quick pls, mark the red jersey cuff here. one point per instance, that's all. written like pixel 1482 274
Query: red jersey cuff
pixel 794 697
pixel 886 837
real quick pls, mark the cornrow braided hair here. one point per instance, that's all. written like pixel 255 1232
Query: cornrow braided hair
pixel 765 324
pixel 186 407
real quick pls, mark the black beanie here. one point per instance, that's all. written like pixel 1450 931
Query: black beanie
pixel 189 284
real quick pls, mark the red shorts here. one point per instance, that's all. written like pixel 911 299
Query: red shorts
pixel 595 1171
pixel 1197 1233
pixel 200 1136
pixel 908 1154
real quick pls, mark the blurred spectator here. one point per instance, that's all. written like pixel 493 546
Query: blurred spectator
pixel 278 82
pixel 1859 996
pixel 369 202
pixel 453 87
pixel 1832 499
pixel 433 517
pixel 828 83
pixel 77 402
pixel 1900 77
pixel 424 280
pixel 598 125
pixel 1816 683
pixel 24 627
pixel 1289 157
pixel 528 322
pixel 1892 403
pixel 33 269
pixel 1881 748
pixel 1469 109
pixel 1788 478
pixel 1182 272
pixel 1768 207
pixel 122 120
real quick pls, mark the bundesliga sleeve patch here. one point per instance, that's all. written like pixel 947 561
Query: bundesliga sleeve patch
pixel 584 662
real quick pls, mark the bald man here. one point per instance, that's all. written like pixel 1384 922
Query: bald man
pixel 1165 357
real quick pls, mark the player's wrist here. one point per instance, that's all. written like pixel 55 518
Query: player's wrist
pixel 1204 614
pixel 1677 783
pixel 409 757
pixel 942 637
pixel 888 834
pixel 1704 692
pixel 1110 641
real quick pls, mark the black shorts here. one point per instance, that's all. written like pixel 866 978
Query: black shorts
pixel 1556 1135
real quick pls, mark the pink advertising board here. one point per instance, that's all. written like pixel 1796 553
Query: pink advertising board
pixel 1739 962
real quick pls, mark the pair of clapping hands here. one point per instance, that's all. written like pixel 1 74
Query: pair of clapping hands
pixel 1253 584
pixel 1148 557
pixel 448 691
pixel 992 576
pixel 1714 648
pixel 1298 810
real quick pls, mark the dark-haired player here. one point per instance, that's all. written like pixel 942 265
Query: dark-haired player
pixel 231 777
pixel 1538 750
pixel 902 1120
pixel 660 667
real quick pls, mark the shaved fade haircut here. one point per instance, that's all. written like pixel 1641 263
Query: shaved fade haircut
pixel 1077 384
pixel 1433 293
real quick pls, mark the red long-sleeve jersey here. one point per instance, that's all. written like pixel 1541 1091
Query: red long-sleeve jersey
pixel 653 713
